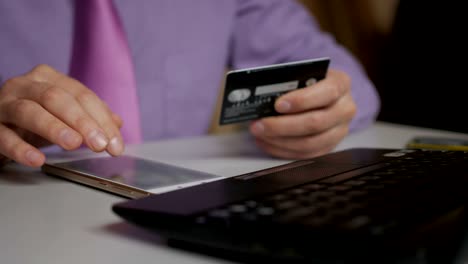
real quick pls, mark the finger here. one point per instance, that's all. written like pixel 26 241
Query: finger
pixel 117 120
pixel 63 106
pixel 308 146
pixel 32 117
pixel 104 133
pixel 319 95
pixel 99 111
pixel 95 108
pixel 306 123
pixel 15 148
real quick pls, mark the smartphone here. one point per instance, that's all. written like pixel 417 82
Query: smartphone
pixel 251 93
pixel 127 176
pixel 438 143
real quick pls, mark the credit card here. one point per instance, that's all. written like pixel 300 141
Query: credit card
pixel 251 93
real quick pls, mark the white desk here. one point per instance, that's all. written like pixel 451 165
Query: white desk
pixel 49 220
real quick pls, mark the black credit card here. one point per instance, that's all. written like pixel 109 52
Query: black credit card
pixel 251 93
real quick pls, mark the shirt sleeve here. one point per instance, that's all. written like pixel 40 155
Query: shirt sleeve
pixel 274 31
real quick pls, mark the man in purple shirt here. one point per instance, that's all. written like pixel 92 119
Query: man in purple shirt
pixel 180 51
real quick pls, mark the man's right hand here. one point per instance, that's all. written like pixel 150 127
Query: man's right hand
pixel 46 107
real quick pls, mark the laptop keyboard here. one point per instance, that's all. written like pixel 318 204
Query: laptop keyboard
pixel 372 200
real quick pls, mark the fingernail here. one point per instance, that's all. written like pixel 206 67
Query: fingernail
pixel 69 138
pixel 33 157
pixel 97 139
pixel 283 106
pixel 258 128
pixel 116 146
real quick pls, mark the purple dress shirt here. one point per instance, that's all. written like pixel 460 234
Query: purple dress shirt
pixel 181 49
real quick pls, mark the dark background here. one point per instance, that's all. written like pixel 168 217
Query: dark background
pixel 413 51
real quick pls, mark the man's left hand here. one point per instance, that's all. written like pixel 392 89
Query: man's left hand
pixel 313 121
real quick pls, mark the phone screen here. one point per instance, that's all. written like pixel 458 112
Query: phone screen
pixel 135 172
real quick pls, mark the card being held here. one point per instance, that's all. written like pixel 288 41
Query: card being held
pixel 251 93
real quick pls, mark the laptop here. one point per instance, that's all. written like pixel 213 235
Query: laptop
pixel 357 205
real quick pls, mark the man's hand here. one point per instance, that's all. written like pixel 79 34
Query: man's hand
pixel 315 119
pixel 46 107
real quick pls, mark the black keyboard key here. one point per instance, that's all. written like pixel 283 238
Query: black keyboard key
pixel 340 200
pixel 287 205
pixel 356 222
pixel 251 204
pixel 314 186
pixel 370 178
pixel 294 215
pixel 218 217
pixel 265 211
pixel 355 182
pixel 340 188
pixel 316 221
pixel 357 194
pixel 297 191
pixel 238 209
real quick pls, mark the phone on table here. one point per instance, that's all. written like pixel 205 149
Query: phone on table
pixel 438 143
pixel 127 176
